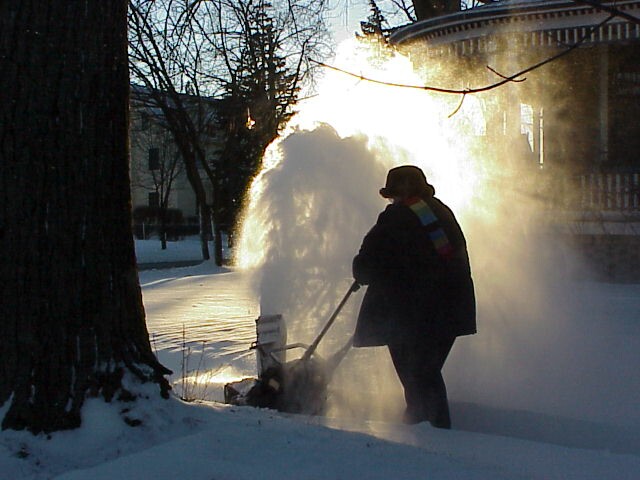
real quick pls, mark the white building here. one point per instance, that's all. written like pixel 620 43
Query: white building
pixel 579 112
pixel 157 168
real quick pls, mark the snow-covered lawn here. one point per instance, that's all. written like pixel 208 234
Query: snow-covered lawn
pixel 208 313
pixel 150 251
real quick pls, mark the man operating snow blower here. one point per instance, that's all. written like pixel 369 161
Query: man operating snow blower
pixel 420 294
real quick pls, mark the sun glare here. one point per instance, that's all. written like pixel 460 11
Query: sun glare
pixel 403 125
pixel 317 197
pixel 399 125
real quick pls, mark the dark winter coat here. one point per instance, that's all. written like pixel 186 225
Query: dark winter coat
pixel 412 291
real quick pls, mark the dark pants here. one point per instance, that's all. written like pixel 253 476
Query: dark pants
pixel 419 366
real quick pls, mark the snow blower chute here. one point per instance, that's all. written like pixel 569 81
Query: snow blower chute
pixel 298 386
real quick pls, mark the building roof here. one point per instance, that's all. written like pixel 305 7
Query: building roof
pixel 541 22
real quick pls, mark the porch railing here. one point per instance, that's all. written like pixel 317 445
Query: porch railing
pixel 607 192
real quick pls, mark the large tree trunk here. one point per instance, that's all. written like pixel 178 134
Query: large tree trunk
pixel 426 9
pixel 72 319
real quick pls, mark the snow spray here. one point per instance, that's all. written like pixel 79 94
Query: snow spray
pixel 317 196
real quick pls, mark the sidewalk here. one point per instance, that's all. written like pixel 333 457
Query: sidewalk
pixel 168 264
pixel 183 253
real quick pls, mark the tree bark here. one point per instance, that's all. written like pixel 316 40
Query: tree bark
pixel 425 9
pixel 70 302
pixel 216 220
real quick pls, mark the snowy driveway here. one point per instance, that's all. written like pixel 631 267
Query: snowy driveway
pixel 202 322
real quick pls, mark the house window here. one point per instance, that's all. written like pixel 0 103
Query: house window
pixel 154 199
pixel 526 122
pixel 154 159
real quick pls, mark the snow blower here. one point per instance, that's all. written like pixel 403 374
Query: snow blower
pixel 298 386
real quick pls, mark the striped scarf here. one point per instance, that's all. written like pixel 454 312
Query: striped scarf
pixel 428 219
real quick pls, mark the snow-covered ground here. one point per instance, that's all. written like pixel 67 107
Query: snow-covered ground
pixel 207 315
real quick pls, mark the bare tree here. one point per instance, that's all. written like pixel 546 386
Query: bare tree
pixel 250 55
pixel 70 302
pixel 263 54
pixel 162 49
pixel 162 169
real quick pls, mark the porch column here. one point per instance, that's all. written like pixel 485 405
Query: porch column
pixel 603 58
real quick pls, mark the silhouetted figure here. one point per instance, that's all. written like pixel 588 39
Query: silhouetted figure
pixel 420 295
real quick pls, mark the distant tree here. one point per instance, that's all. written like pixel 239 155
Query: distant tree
pixel 161 170
pixel 264 52
pixel 251 57
pixel 73 322
pixel 164 59
pixel 375 31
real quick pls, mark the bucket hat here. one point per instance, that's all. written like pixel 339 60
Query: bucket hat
pixel 407 180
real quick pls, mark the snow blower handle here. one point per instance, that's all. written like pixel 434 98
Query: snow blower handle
pixel 355 286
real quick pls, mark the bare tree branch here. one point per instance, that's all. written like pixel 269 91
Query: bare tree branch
pixel 492 70
pixel 246 56
pixel 462 97
pixel 466 91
